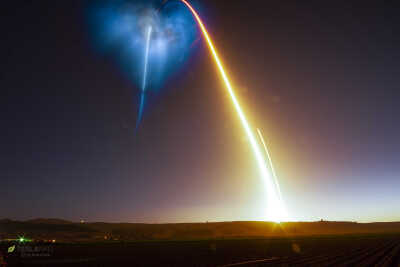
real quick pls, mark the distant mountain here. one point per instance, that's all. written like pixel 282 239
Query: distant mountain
pixel 49 221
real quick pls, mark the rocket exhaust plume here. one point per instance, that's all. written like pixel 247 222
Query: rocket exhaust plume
pixel 275 209
pixel 143 91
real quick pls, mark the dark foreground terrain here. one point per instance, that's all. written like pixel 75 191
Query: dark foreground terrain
pixel 347 250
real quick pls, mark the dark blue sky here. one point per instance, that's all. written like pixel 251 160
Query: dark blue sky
pixel 321 80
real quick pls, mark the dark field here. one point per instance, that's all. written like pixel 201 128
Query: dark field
pixel 350 250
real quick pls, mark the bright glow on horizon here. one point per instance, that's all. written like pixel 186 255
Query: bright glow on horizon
pixel 275 211
pixel 278 188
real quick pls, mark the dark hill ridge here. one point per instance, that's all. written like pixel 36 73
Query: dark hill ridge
pixel 68 231
pixel 49 221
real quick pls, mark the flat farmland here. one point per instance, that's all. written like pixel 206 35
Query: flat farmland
pixel 339 250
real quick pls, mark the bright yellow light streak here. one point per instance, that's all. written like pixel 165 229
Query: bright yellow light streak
pixel 275 210
pixel 270 164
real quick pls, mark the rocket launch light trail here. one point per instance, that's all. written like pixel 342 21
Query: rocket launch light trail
pixel 146 59
pixel 270 164
pixel 275 210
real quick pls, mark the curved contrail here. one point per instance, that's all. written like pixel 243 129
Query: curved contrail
pixel 275 206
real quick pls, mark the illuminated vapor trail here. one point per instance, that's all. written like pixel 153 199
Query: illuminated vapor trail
pixel 275 210
pixel 270 164
pixel 146 59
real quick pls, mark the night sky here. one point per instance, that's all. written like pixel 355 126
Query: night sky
pixel 320 79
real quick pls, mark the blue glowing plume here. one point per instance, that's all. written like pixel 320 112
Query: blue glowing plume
pixel 119 29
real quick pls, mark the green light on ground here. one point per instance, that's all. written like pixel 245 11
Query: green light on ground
pixel 22 239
